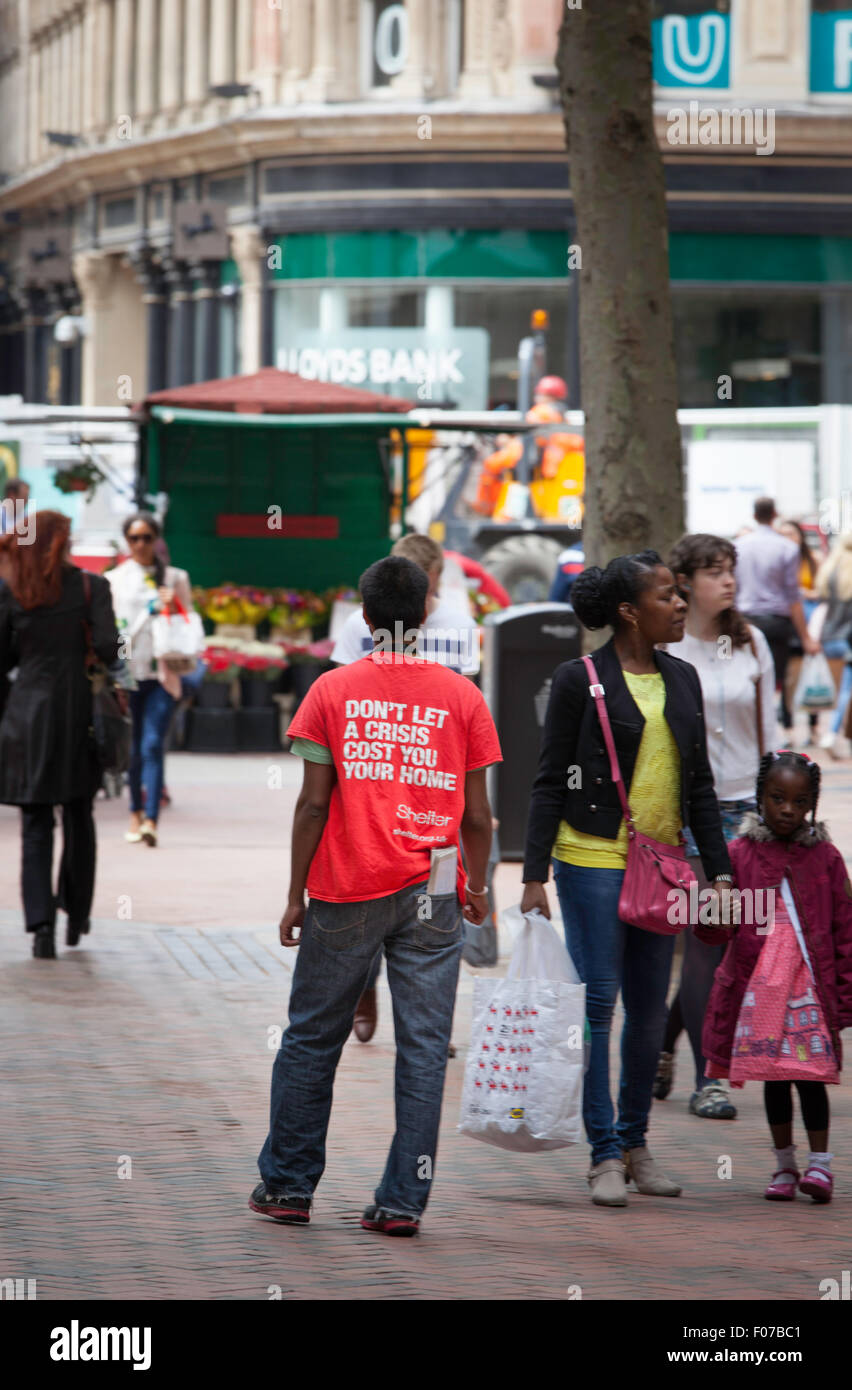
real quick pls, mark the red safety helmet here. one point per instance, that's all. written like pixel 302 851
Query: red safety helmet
pixel 552 386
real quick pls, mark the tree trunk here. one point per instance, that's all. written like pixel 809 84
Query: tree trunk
pixel 634 469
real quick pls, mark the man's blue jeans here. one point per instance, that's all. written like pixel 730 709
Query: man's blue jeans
pixel 151 708
pixel 610 955
pixel 422 938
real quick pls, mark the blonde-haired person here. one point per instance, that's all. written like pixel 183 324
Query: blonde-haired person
pixel 450 636
pixel 834 586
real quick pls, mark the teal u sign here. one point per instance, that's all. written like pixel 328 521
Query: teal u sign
pixel 831 52
pixel 692 50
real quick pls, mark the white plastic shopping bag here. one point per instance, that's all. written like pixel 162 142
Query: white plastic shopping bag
pixel 815 687
pixel 523 1081
pixel 178 636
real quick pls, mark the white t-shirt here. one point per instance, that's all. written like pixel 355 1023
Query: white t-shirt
pixel 730 708
pixel 450 637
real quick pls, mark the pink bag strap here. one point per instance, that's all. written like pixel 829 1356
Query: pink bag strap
pixel 596 690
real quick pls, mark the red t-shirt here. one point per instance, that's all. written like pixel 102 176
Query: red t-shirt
pixel 402 734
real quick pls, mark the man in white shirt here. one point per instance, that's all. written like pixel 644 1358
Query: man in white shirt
pixel 450 636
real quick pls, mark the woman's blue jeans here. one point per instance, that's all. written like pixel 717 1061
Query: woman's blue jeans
pixel 610 955
pixel 151 709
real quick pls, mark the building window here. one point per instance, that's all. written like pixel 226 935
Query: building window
pixel 157 205
pixel 768 344
pixel 389 41
pixel 229 188
pixel 118 212
pixel 381 336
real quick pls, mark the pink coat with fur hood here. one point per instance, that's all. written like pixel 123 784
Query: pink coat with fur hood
pixel 823 897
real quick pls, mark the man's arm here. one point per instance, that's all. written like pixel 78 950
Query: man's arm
pixel 476 830
pixel 308 824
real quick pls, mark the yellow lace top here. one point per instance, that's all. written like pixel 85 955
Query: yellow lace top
pixel 654 793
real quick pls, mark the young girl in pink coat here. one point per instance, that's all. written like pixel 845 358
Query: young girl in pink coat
pixel 811 926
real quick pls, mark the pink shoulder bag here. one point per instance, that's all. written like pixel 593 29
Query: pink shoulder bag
pixel 655 871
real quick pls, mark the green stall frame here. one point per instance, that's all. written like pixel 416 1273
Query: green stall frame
pixel 227 473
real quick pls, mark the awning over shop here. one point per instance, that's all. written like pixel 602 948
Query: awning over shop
pixel 273 392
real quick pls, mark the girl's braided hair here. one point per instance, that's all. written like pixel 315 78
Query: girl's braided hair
pixel 785 757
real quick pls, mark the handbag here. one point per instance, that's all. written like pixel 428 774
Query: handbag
pixel 111 726
pixel 178 638
pixel 657 875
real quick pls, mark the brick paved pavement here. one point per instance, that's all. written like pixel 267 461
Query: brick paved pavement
pixel 151 1041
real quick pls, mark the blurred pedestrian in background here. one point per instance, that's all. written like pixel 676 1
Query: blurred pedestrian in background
pixel 16 496
pixel 571 562
pixel 768 592
pixel 141 588
pixel 47 753
pixel 834 586
pixel 810 602
pixel 737 675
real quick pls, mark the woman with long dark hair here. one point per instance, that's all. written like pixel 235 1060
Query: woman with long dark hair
pixel 657 717
pixel 142 586
pixel 47 753
pixel 737 676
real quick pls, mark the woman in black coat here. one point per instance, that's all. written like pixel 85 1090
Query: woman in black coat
pixel 657 717
pixel 47 754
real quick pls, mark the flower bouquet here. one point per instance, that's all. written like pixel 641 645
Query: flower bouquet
pixel 220 670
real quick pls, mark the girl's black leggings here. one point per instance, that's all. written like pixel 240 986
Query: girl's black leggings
pixel 813 1098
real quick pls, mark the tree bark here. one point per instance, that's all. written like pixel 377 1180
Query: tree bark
pixel 634 468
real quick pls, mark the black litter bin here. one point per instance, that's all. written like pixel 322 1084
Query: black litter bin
pixel 523 646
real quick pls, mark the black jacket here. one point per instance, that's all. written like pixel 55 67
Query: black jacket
pixel 573 737
pixel 46 753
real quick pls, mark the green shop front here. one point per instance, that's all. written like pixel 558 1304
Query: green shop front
pixel 436 316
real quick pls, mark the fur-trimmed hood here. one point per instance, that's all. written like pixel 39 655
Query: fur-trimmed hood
pixel 753 828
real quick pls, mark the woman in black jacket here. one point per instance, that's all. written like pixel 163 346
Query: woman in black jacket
pixel 47 755
pixel 657 718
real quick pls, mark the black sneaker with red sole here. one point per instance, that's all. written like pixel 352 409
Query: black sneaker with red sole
pixel 390 1223
pixel 291 1211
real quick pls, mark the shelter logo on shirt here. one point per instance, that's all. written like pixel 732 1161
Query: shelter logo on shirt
pixel 402 735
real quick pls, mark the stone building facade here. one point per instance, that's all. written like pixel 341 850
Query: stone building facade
pixel 190 188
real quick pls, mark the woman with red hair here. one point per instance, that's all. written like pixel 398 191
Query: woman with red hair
pixel 47 753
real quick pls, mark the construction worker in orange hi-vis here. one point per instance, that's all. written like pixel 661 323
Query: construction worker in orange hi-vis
pixel 551 396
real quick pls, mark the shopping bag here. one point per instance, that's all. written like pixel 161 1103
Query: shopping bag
pixel 523 1081
pixel 781 1033
pixel 814 688
pixel 178 637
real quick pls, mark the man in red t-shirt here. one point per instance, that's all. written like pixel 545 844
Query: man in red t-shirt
pixel 395 750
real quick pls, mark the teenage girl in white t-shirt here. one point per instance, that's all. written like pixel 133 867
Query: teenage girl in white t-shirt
pixel 735 667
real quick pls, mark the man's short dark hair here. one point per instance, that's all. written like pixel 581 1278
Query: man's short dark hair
pixel 15 487
pixel 394 591
pixel 764 511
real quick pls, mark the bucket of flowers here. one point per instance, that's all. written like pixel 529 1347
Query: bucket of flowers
pixel 220 671
pixel 260 666
pixel 307 662
pixel 296 611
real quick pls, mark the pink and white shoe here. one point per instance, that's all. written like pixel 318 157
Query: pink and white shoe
pixel 783 1185
pixel 817 1183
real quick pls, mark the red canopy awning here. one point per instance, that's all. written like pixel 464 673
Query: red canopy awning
pixel 273 392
